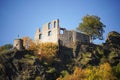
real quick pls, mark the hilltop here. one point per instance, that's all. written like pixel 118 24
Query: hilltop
pixel 83 61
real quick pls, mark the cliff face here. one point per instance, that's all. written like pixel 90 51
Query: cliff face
pixel 13 63
pixel 26 65
pixel 97 54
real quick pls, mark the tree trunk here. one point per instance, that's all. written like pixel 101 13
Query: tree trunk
pixel 91 40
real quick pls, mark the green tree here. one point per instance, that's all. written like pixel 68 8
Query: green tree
pixel 92 26
pixel 6 47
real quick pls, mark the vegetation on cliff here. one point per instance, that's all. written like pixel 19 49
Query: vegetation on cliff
pixel 49 61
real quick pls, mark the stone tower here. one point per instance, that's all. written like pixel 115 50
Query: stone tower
pixel 18 44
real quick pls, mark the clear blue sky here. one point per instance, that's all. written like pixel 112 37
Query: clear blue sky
pixel 23 17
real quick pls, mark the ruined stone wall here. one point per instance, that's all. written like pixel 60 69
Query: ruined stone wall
pixel 49 32
pixel 82 38
pixel 36 38
pixel 66 39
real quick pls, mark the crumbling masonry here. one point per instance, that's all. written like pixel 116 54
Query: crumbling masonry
pixel 52 32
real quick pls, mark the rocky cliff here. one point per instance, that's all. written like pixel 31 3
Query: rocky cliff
pixel 26 65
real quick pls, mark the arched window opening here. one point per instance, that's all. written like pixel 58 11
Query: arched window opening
pixel 49 33
pixel 49 26
pixel 40 36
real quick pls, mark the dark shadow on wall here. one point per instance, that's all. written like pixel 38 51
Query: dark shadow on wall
pixel 65 53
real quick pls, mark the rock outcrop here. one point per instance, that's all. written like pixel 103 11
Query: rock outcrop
pixel 113 37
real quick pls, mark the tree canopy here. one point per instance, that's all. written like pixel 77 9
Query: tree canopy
pixel 28 42
pixel 92 26
pixel 6 47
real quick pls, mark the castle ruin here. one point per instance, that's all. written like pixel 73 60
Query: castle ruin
pixel 52 32
pixel 18 44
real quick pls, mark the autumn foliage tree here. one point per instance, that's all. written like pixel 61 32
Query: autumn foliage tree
pixel 28 43
pixel 102 72
pixel 92 26
pixel 105 71
pixel 47 51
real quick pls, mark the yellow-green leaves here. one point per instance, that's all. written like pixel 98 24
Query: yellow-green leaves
pixel 92 26
pixel 102 72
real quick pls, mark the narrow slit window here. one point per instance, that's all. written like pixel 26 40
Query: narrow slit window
pixel 54 24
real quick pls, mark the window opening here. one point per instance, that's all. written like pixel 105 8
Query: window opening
pixel 40 36
pixel 49 26
pixel 49 33
pixel 54 24
pixel 61 31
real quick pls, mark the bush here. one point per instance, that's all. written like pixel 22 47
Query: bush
pixel 117 71
pixel 64 73
pixel 51 70
pixel 38 78
pixel 102 72
pixel 5 48
pixel 45 51
pixel 100 50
